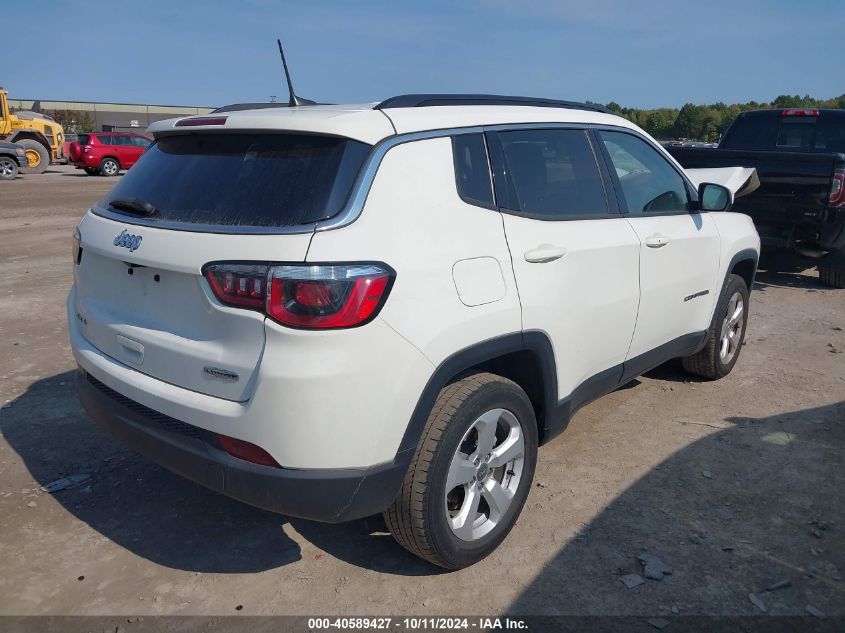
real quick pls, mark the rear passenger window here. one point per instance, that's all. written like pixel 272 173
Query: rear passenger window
pixel 649 183
pixel 472 170
pixel 103 140
pixel 549 174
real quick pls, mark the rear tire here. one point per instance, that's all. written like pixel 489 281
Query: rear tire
pixel 37 156
pixel 8 168
pixel 726 334
pixel 831 277
pixel 470 475
pixel 109 167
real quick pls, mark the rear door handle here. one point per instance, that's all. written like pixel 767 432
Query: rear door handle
pixel 657 241
pixel 544 253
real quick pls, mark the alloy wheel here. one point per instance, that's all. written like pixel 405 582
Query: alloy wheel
pixel 732 325
pixel 484 474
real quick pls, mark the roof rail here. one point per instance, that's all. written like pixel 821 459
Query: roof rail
pixel 425 100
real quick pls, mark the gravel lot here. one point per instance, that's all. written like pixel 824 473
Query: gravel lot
pixel 735 485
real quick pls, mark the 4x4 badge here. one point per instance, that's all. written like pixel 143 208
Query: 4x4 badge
pixel 132 242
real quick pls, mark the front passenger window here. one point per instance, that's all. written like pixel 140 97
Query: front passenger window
pixel 649 183
pixel 549 175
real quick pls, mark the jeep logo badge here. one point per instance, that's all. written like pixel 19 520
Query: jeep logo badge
pixel 132 242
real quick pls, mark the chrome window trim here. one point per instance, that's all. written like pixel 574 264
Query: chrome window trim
pixel 362 186
pixel 360 189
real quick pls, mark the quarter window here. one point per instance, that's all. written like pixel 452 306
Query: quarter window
pixel 649 183
pixel 472 170
pixel 549 174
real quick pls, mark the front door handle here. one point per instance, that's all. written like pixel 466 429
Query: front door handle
pixel 657 241
pixel 544 253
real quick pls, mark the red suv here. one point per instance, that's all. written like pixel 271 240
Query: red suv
pixel 107 152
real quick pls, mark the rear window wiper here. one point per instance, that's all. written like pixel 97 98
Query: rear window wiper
pixel 138 207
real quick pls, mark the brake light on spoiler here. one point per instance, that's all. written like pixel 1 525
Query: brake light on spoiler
pixel 799 112
pixel 203 120
pixel 305 296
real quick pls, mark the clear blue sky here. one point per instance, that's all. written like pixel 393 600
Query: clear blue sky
pixel 638 53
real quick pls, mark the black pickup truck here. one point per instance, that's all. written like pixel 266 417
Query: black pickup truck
pixel 799 155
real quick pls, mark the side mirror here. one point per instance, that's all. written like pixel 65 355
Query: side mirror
pixel 713 197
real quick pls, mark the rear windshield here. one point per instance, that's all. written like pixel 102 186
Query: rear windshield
pixel 822 133
pixel 265 180
pixel 82 139
pixel 752 133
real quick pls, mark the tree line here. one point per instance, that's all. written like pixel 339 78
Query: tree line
pixel 697 122
pixel 708 122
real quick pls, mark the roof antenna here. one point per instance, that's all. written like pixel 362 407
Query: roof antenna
pixel 294 100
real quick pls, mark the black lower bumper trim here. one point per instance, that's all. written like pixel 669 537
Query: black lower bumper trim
pixel 331 495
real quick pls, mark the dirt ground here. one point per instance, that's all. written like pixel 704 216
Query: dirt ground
pixel 736 485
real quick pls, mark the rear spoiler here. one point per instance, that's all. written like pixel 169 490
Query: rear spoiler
pixel 740 180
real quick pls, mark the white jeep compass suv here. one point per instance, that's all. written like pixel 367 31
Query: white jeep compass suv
pixel 338 311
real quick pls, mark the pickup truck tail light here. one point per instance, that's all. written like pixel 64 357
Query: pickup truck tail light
pixel 837 189
pixel 305 296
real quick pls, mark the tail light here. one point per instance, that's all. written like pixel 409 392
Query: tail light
pixel 240 285
pixel 316 296
pixel 77 246
pixel 837 189
pixel 246 451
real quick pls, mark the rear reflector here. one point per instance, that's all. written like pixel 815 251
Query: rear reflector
pixel 206 120
pixel 799 112
pixel 246 451
pixel 319 296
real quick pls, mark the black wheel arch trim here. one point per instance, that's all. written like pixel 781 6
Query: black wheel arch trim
pixel 746 254
pixel 556 413
pixel 535 342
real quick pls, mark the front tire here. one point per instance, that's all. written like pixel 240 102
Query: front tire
pixel 726 334
pixel 37 156
pixel 470 475
pixel 831 277
pixel 8 168
pixel 109 167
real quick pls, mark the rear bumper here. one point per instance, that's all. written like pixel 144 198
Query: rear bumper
pixel 328 495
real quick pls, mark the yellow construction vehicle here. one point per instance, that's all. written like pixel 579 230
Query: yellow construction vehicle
pixel 42 137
